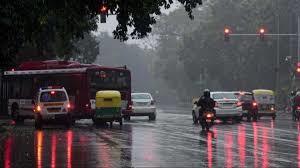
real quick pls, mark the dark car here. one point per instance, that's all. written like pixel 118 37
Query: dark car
pixel 249 105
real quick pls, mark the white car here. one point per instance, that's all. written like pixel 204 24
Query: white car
pixel 52 103
pixel 227 106
pixel 143 105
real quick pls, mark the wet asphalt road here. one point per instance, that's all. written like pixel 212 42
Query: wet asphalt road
pixel 170 141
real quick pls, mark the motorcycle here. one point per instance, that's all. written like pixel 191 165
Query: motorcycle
pixel 207 119
pixel 296 116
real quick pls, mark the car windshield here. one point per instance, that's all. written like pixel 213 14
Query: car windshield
pixel 140 96
pixel 246 97
pixel 53 96
pixel 224 96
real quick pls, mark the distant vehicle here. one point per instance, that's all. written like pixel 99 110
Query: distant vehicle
pixel 143 105
pixel 249 105
pixel 227 106
pixel 52 103
pixel 266 102
pixel 108 107
pixel 81 81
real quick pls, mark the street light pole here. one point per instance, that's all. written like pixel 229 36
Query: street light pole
pixel 277 57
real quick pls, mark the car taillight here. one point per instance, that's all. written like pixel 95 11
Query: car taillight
pixel 254 104
pixel 38 108
pixel 209 115
pixel 130 105
pixel 239 104
pixel 69 106
pixel 298 108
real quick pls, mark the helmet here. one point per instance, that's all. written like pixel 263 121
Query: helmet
pixel 206 93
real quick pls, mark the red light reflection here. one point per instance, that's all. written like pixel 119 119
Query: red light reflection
pixel 209 149
pixel 39 137
pixel 254 127
pixel 265 148
pixel 298 150
pixel 69 148
pixel 53 151
pixel 228 149
pixel 7 152
pixel 242 144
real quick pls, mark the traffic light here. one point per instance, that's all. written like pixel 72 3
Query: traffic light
pixel 103 11
pixel 226 34
pixel 262 32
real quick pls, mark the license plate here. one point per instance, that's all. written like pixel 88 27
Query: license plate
pixel 208 120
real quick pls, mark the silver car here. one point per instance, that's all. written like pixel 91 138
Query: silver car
pixel 143 105
pixel 227 106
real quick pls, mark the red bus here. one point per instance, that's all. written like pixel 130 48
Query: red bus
pixel 81 81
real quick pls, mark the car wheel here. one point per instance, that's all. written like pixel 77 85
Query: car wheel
pixel 237 119
pixel 38 122
pixel 152 117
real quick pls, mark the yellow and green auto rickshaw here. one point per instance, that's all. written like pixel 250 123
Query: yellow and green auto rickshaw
pixel 266 102
pixel 108 107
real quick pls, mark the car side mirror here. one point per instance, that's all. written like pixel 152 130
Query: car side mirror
pixel 32 102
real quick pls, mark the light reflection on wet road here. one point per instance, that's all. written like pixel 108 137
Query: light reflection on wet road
pixel 171 141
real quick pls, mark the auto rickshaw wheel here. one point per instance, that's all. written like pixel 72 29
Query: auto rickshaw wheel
pixel 120 121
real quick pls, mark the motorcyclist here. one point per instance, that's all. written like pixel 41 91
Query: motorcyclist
pixel 206 102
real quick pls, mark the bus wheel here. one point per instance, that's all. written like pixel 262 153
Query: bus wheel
pixel 15 115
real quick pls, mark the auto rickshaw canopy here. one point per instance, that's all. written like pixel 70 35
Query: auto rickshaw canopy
pixel 108 98
pixel 263 92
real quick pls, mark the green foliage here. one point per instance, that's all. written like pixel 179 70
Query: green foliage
pixel 243 63
pixel 52 26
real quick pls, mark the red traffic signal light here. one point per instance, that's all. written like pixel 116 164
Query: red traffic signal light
pixel 226 31
pixel 103 11
pixel 226 34
pixel 262 32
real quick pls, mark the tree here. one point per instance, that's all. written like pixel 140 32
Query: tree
pixel 47 23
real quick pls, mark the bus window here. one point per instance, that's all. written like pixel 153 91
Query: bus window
pixel 14 87
pixel 26 88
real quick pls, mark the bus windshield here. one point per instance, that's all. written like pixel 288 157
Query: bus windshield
pixel 109 79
